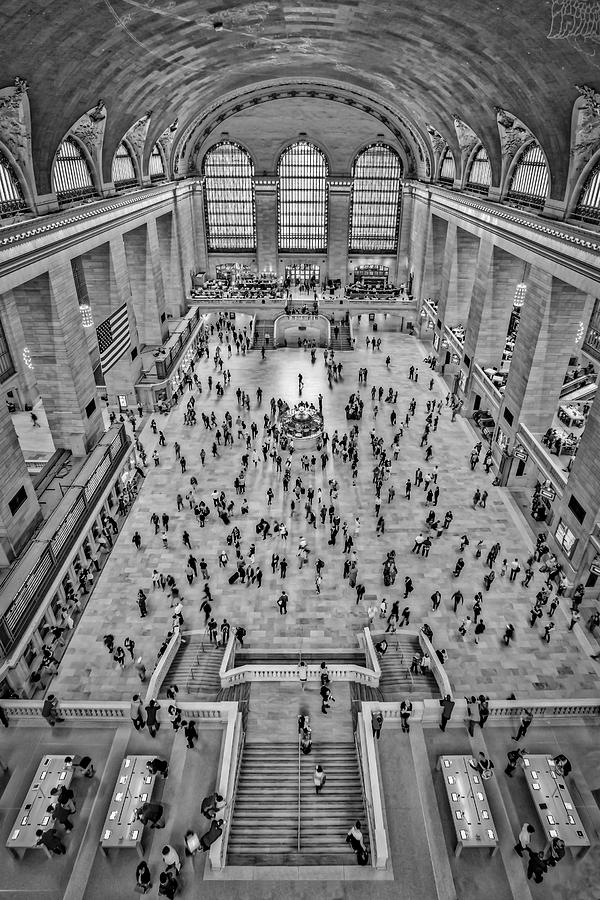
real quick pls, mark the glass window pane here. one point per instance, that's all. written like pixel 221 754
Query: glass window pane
pixel 229 198
pixel 480 172
pixel 447 168
pixel 588 205
pixel 123 169
pixel 71 176
pixel 529 183
pixel 375 206
pixel 302 199
pixel 156 165
pixel 11 195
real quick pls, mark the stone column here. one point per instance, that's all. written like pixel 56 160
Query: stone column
pixel 506 273
pixel 338 224
pixel 467 255
pixel 15 338
pixel 579 507
pixel 447 296
pixel 186 240
pixel 52 324
pixel 546 338
pixel 265 193
pixel 404 239
pixel 420 224
pixel 169 262
pixel 145 278
pixel 19 508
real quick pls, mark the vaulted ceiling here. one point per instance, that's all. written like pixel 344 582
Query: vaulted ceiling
pixel 426 61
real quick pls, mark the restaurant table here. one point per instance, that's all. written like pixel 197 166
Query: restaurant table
pixel 571 416
pixel 470 809
pixel 133 787
pixel 553 803
pixel 52 772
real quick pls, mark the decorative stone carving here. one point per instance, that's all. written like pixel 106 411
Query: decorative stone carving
pixel 513 133
pixel 89 129
pixel 136 135
pixel 585 130
pixel 437 141
pixel 15 123
pixel 467 139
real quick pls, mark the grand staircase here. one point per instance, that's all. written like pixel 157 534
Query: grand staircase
pixel 344 339
pixel 397 682
pixel 195 670
pixel 279 820
pixel 263 334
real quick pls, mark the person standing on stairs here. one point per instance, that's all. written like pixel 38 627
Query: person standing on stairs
pixel 319 779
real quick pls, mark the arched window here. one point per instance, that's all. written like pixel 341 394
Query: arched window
pixel 11 195
pixel 529 183
pixel 229 198
pixel 480 173
pixel 302 199
pixel 588 205
pixel 447 167
pixel 71 176
pixel 156 165
pixel 375 204
pixel 123 169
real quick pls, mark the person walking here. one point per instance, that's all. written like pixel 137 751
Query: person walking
pixel 319 778
pixel 152 718
pixel 326 695
pixel 136 712
pixel 377 723
pixel 447 704
pixel 190 732
pixel 524 839
pixel 515 568
pixel 526 720
pixel 282 603
pixel 405 714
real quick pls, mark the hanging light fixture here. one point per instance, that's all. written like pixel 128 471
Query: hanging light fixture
pixel 87 319
pixel 27 358
pixel 520 291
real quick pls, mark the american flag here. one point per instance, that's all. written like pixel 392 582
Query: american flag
pixel 113 338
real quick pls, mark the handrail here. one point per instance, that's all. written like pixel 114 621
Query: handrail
pixel 163 665
pixel 227 779
pixel 542 459
pixel 372 785
pixel 299 790
pixel 29 581
pixel 439 673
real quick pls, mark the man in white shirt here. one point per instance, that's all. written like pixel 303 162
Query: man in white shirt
pixel 524 839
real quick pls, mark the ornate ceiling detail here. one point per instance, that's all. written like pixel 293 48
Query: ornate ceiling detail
pixel 467 139
pixel 585 130
pixel 437 141
pixel 136 136
pixel 513 133
pixel 15 123
pixel 89 129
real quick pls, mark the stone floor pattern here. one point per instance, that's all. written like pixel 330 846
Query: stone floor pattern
pixel 528 667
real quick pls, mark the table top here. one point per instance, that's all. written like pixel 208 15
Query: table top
pixel 468 801
pixel 553 802
pixel 133 787
pixel 51 772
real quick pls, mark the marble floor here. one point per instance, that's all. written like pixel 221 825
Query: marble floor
pixel 528 668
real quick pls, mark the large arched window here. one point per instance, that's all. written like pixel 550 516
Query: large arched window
pixel 588 204
pixel 156 165
pixel 71 175
pixel 375 205
pixel 11 195
pixel 302 199
pixel 447 167
pixel 480 173
pixel 123 168
pixel 529 183
pixel 229 198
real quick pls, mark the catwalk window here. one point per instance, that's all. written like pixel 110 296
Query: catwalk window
pixel 123 168
pixel 588 205
pixel 156 165
pixel 229 198
pixel 480 173
pixel 71 174
pixel 530 181
pixel 302 199
pixel 7 367
pixel 447 167
pixel 11 195
pixel 375 202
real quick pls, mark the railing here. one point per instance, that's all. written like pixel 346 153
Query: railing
pixel 551 471
pixel 367 758
pixel 428 711
pixel 26 587
pixel 227 779
pixel 569 387
pixel 176 344
pixel 163 665
pixel 439 673
pixel 370 652
pixel 299 823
